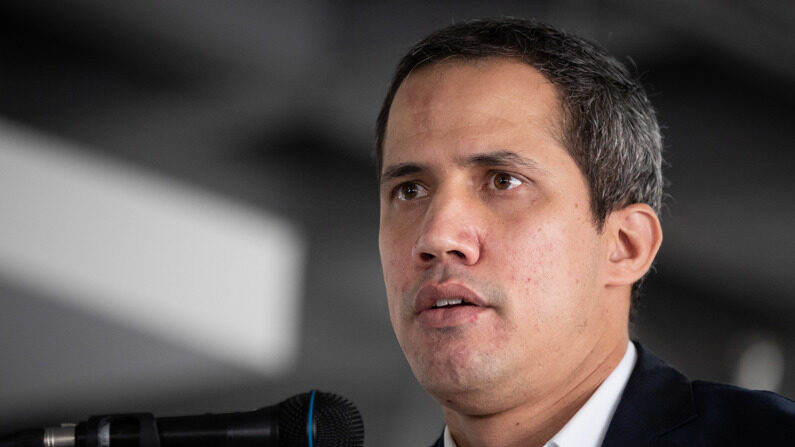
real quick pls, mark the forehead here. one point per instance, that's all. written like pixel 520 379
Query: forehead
pixel 470 103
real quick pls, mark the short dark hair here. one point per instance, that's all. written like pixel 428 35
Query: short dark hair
pixel 610 128
pixel 609 125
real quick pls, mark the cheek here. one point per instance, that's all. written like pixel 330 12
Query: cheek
pixel 395 268
pixel 397 273
pixel 543 270
pixel 527 256
pixel 389 248
pixel 395 245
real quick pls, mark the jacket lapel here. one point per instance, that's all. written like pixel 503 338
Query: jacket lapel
pixel 656 400
pixel 439 442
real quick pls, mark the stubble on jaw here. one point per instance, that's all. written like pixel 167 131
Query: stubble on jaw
pixel 454 370
pixel 460 366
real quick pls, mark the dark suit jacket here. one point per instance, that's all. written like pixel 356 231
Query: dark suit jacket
pixel 661 407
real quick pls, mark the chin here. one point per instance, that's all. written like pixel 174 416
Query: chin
pixel 475 401
pixel 472 387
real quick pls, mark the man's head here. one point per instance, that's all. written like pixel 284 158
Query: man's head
pixel 519 181
pixel 609 126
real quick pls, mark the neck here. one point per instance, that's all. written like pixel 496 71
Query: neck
pixel 536 422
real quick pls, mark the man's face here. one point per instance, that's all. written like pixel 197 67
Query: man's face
pixel 482 208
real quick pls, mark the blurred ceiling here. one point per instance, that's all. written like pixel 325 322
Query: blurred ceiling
pixel 194 88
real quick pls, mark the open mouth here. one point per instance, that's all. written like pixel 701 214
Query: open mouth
pixel 448 296
pixel 449 302
pixel 448 306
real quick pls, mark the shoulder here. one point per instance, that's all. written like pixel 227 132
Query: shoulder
pixel 728 416
pixel 660 406
pixel 721 403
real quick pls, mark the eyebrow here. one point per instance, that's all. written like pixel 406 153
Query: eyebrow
pixel 495 158
pixel 500 158
pixel 401 170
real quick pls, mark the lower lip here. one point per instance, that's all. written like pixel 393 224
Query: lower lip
pixel 450 316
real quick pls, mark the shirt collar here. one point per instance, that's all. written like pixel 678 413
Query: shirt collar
pixel 588 426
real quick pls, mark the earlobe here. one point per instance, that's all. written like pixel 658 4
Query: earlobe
pixel 635 236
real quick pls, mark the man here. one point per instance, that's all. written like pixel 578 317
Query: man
pixel 520 185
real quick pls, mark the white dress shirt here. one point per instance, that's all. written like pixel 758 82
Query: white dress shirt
pixel 587 428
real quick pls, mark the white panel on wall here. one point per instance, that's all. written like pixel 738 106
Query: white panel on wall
pixel 150 252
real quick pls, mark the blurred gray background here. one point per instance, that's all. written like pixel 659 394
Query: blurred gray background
pixel 115 296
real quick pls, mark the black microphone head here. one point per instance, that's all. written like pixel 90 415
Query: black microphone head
pixel 332 420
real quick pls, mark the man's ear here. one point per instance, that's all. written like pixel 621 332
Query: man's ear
pixel 634 236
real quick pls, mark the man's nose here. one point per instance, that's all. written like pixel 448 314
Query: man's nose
pixel 450 233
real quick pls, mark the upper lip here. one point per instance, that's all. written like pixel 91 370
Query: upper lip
pixel 430 293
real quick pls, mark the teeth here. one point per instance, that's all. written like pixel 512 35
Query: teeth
pixel 448 302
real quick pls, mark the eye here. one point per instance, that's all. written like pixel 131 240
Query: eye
pixel 410 191
pixel 504 181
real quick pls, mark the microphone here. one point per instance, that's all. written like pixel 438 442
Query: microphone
pixel 313 419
